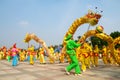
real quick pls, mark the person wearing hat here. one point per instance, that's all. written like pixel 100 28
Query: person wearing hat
pixel 70 50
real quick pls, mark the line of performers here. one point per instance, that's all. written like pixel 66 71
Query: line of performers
pixel 31 55
pixel 87 56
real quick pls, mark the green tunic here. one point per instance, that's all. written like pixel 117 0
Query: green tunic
pixel 70 46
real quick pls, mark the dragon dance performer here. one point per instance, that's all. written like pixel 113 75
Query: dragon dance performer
pixel 70 46
pixel 61 57
pixel 28 54
pixel 110 57
pixel 96 55
pixel 41 55
pixel 8 55
pixel 104 55
pixel 92 57
pixel 22 55
pixel 31 53
pixel 1 54
pixel 14 54
pixel 52 53
pixel 5 52
pixel 117 56
pixel 87 55
pixel 84 58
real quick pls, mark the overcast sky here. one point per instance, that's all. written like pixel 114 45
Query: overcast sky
pixel 50 19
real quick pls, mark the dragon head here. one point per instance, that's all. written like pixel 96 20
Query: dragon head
pixel 93 17
pixel 27 38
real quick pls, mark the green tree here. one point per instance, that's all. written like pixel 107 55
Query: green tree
pixel 114 35
pixel 98 41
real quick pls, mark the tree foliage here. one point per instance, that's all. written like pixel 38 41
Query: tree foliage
pixel 98 41
pixel 114 35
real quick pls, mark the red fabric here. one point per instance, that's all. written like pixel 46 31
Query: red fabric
pixel 96 54
pixel 85 55
pixel 14 46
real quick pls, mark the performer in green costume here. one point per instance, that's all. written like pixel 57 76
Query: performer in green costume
pixel 70 46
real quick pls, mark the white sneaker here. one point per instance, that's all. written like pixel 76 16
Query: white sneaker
pixel 78 74
pixel 84 70
pixel 67 72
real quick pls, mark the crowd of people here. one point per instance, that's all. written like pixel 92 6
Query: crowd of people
pixel 87 55
pixel 15 54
